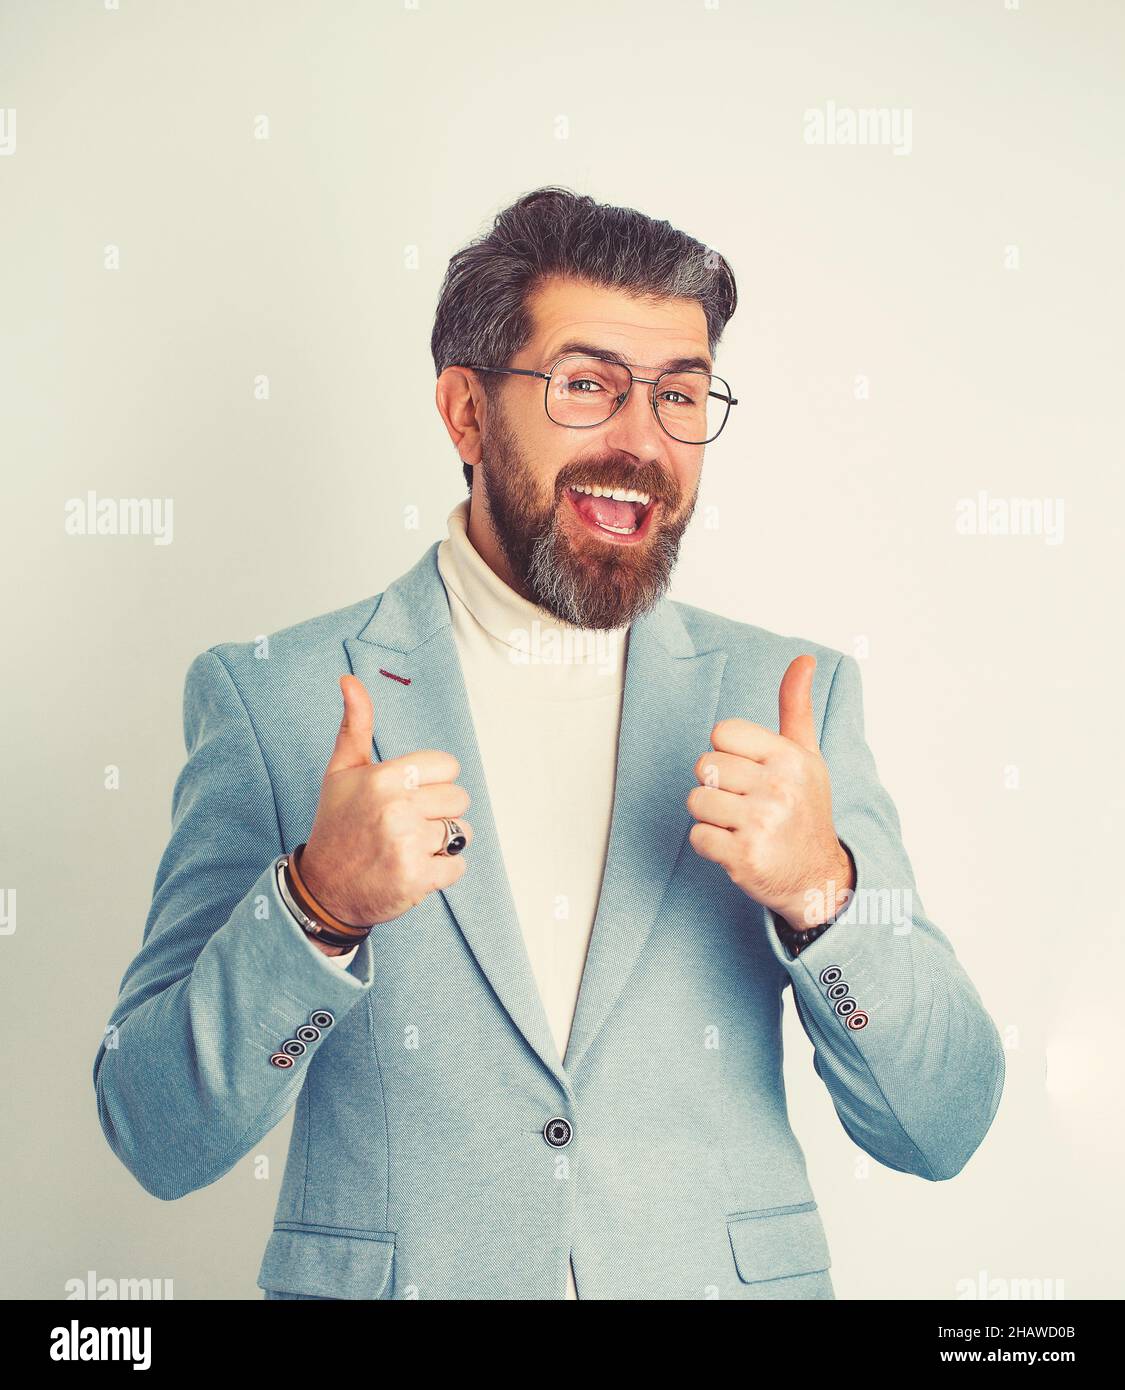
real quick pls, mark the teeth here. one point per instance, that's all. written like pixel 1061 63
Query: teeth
pixel 618 494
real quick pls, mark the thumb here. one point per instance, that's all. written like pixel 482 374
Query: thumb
pixel 794 703
pixel 357 727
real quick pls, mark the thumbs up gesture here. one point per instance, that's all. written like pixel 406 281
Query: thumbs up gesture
pixel 372 853
pixel 764 809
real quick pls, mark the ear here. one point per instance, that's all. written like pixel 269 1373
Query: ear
pixel 461 404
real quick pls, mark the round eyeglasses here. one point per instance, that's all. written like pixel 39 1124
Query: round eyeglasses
pixel 582 391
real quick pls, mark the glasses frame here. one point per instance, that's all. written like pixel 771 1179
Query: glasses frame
pixel 623 397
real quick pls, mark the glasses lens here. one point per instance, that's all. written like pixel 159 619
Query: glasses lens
pixel 585 391
pixel 692 406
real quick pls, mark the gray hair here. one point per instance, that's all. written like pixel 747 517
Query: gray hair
pixel 482 314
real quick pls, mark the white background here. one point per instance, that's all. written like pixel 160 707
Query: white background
pixel 314 257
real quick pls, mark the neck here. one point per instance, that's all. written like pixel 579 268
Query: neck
pixel 488 547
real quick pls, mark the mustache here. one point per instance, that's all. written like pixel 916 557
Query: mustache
pixel 648 478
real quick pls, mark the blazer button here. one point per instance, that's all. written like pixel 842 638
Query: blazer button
pixel 322 1019
pixel 830 974
pixel 282 1060
pixel 857 1020
pixel 308 1033
pixel 294 1047
pixel 846 1006
pixel 557 1132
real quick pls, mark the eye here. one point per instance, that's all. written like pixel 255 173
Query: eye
pixel 574 383
pixel 682 398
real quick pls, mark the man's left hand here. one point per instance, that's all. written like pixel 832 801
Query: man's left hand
pixel 764 809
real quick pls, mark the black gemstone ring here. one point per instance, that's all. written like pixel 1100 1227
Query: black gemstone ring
pixel 455 838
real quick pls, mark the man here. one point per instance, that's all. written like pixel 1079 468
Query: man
pixel 538 1054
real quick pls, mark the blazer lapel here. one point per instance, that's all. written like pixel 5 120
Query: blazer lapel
pixel 668 711
pixel 410 636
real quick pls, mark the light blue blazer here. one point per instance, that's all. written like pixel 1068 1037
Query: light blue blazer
pixel 424 1074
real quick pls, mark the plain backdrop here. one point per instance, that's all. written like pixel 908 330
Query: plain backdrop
pixel 915 329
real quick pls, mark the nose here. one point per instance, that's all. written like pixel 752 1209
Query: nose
pixel 634 429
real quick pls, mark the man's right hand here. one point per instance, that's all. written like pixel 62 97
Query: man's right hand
pixel 372 853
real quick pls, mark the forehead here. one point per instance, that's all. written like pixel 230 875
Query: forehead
pixel 647 332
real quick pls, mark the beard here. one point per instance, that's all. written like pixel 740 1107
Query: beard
pixel 593 584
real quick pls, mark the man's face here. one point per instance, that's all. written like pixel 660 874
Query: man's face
pixel 591 562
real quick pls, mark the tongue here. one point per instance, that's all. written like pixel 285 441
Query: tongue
pixel 605 511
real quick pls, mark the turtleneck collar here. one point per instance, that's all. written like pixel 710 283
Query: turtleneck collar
pixel 511 619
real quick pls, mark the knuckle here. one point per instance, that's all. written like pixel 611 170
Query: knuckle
pixel 446 763
pixel 778 790
pixel 795 761
pixel 411 776
pixel 729 731
pixel 708 770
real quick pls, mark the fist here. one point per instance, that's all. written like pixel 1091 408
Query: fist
pixel 372 853
pixel 763 809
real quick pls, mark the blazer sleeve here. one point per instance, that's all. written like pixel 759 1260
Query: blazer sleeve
pixel 911 1058
pixel 184 1080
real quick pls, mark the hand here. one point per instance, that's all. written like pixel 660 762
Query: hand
pixel 764 809
pixel 372 853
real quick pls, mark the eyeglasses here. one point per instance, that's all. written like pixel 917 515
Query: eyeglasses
pixel 583 391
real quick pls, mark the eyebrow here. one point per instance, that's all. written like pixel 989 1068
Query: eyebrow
pixel 676 364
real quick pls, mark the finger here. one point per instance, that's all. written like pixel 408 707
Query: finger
pixel 447 869
pixel 729 772
pixel 413 770
pixel 357 727
pixel 727 810
pixel 746 739
pixel 794 703
pixel 437 799
pixel 712 843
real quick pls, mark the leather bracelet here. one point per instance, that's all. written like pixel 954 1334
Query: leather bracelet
pixel 309 925
pixel 312 907
pixel 308 912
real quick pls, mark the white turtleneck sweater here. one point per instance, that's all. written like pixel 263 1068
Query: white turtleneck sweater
pixel 546 706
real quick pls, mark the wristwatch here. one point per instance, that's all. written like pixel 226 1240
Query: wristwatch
pixel 303 906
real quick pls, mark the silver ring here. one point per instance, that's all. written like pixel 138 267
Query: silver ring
pixel 455 838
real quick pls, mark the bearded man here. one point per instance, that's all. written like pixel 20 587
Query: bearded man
pixel 537 1054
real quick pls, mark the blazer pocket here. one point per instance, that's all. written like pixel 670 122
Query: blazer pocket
pixel 778 1243
pixel 328 1264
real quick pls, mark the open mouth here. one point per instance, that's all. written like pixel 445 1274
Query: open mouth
pixel 616 514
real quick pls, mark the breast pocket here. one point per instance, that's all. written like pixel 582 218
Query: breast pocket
pixel 300 1262
pixel 778 1242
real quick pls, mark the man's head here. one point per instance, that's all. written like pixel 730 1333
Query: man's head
pixel 556 275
